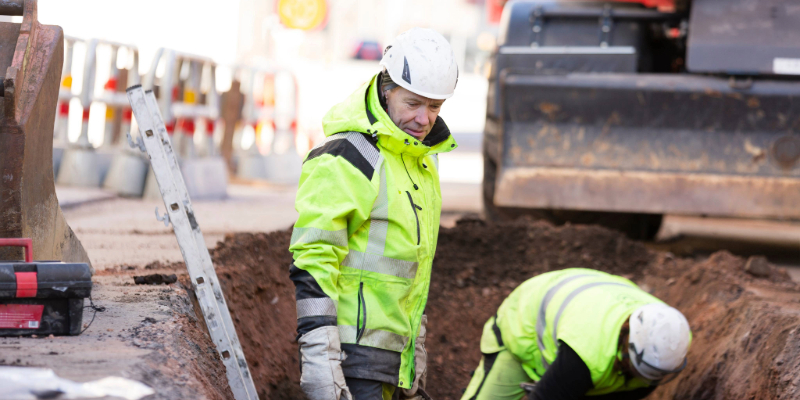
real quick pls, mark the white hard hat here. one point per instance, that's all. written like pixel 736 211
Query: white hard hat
pixel 659 340
pixel 421 61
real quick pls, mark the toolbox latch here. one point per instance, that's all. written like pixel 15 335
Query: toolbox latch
pixel 27 284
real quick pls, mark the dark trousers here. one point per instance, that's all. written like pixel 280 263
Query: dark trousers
pixel 365 389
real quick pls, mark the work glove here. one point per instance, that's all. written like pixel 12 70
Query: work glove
pixel 420 365
pixel 321 359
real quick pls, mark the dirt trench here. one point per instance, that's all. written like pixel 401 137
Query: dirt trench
pixel 746 337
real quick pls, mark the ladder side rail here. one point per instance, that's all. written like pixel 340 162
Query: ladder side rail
pixel 205 263
pixel 210 290
pixel 170 182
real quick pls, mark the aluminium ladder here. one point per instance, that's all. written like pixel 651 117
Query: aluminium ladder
pixel 154 141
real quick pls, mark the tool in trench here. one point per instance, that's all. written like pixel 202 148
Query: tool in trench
pixel 153 139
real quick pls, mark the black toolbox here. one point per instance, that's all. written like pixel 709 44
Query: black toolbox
pixel 41 297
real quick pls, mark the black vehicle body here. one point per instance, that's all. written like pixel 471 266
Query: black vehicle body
pixel 623 113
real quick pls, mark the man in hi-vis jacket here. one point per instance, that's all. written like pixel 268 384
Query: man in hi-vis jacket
pixel 579 334
pixel 369 204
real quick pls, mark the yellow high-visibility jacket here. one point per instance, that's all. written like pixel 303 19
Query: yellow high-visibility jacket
pixel 369 202
pixel 584 308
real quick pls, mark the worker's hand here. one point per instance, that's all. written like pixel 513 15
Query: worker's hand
pixel 321 365
pixel 420 364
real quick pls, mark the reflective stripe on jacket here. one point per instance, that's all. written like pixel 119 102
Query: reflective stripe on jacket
pixel 584 308
pixel 369 204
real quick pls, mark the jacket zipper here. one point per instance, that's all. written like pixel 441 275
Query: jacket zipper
pixel 361 302
pixel 406 168
pixel 415 208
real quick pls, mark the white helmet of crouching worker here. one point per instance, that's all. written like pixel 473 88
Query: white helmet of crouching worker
pixel 658 342
pixel 422 61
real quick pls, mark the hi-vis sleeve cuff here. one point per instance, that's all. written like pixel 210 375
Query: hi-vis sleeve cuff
pixel 309 235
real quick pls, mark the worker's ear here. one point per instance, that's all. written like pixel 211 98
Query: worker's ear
pixel 388 92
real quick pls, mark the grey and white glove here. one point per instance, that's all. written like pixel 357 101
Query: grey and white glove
pixel 321 358
pixel 420 364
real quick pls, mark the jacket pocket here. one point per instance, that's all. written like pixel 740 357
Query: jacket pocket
pixel 414 208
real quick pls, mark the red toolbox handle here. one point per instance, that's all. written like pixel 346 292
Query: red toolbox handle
pixel 27 243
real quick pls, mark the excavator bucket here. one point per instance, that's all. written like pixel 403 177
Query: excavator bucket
pixel 582 121
pixel 650 143
pixel 31 56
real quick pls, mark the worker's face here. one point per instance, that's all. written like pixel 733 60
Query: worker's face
pixel 412 113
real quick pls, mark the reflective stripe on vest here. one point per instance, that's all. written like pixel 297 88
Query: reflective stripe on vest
pixel 373 338
pixel 572 296
pixel 384 265
pixel 319 307
pixel 370 153
pixel 541 321
pixel 314 235
pixel 379 217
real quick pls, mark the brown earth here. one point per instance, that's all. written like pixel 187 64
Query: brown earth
pixel 254 272
pixel 746 337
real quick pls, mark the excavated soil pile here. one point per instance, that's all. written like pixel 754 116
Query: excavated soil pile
pixel 745 324
pixel 254 272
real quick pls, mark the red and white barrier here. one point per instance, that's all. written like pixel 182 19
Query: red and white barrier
pixel 82 164
pixel 271 108
pixel 187 110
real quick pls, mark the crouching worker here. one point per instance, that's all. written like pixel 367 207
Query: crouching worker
pixel 369 204
pixel 579 334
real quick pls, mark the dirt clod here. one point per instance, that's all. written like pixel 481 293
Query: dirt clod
pixel 757 266
pixel 744 316
pixel 155 279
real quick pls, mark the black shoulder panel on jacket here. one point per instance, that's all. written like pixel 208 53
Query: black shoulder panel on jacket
pixel 346 149
pixel 306 287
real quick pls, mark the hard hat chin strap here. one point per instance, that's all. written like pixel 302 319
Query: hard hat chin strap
pixel 383 87
pixel 386 81
pixel 640 360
